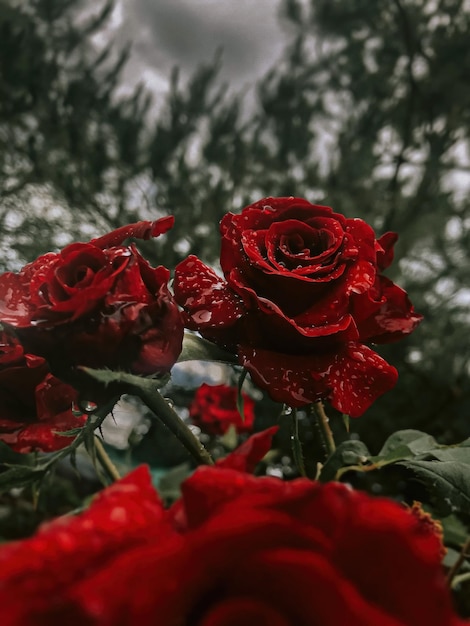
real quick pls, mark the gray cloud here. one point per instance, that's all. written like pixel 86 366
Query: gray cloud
pixel 165 33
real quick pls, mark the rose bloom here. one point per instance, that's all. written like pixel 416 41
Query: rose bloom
pixel 302 294
pixel 214 410
pixel 98 304
pixel 235 550
pixel 34 405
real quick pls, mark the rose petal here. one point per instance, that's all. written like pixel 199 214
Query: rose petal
pixel 139 230
pixel 44 436
pixel 387 318
pixel 358 377
pixel 363 237
pixel 205 296
pixel 385 250
pixel 321 317
pixel 246 457
pixel 287 378
pixel 351 377
pixel 15 306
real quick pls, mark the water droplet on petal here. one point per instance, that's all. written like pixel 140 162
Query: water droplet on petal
pixel 201 317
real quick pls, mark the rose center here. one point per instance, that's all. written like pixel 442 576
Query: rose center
pixel 319 243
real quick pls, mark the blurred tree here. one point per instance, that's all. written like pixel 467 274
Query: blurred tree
pixel 69 148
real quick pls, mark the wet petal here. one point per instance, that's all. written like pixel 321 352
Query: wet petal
pixel 357 377
pixel 293 380
pixel 206 297
pixel 44 436
pixel 325 316
pixel 385 251
pixel 138 230
pixel 15 304
pixel 363 237
pixel 360 277
pixel 386 315
pixel 351 378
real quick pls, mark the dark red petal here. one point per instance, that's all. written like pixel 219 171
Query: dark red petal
pixel 44 436
pixel 139 230
pixel 206 297
pixel 316 240
pixel 294 380
pixel 363 238
pixel 36 585
pixel 325 316
pixel 351 378
pixel 360 277
pixel 15 305
pixel 247 456
pixel 387 319
pixel 358 376
pixel 385 251
pixel 277 205
pixel 259 216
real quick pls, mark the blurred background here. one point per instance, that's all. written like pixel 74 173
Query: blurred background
pixel 116 111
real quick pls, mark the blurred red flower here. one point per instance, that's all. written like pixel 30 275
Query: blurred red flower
pixel 34 405
pixel 214 410
pixel 246 550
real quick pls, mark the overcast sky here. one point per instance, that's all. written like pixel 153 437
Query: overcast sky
pixel 165 33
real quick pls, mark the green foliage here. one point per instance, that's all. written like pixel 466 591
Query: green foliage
pixel 67 145
pixel 444 471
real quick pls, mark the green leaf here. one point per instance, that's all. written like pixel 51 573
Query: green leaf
pixel 19 476
pixel 349 453
pixel 69 433
pixel 457 454
pixel 230 438
pixel 415 441
pixel 196 348
pixel 447 482
pixel 169 485
pixel 455 531
pixel 123 379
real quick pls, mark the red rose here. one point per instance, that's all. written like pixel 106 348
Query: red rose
pixel 98 304
pixel 214 409
pixel 34 405
pixel 301 295
pixel 254 551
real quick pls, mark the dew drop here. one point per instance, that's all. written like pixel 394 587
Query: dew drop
pixel 202 316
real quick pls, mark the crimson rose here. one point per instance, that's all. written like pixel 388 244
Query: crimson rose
pixel 252 551
pixel 214 409
pixel 34 405
pixel 301 295
pixel 98 304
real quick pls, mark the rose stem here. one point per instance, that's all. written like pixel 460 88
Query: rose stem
pixel 105 461
pixel 324 427
pixel 160 407
pixel 458 563
pixel 296 444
